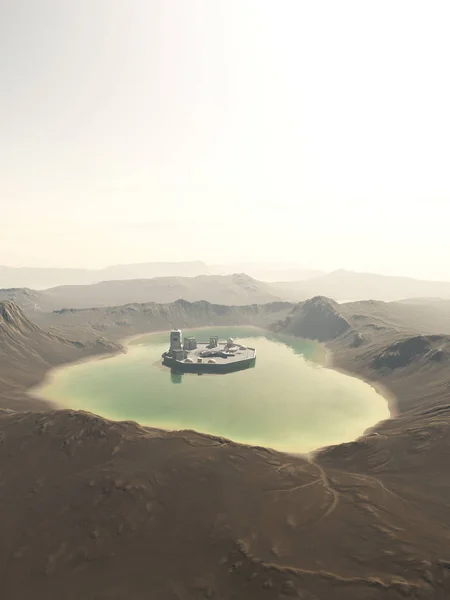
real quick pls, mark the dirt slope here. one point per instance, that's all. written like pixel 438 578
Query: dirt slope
pixel 27 352
pixel 95 509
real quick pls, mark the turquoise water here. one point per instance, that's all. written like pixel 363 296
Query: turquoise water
pixel 288 401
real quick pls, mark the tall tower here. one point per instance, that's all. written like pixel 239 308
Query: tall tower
pixel 176 340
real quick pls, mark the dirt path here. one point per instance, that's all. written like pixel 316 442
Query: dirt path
pixel 328 487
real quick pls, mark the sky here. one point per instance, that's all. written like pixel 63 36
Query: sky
pixel 315 133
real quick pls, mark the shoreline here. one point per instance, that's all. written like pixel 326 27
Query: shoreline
pixel 378 386
pixel 33 391
pixel 327 362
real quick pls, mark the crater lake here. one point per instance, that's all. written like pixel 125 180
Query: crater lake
pixel 288 401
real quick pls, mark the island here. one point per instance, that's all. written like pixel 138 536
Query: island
pixel 214 356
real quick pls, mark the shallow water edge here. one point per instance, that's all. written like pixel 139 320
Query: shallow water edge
pixel 322 359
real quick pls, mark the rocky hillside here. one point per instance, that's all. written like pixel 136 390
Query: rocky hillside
pixel 121 321
pixel 96 509
pixel 27 352
pixel 324 319
pixel 318 319
pixel 30 301
pixel 414 349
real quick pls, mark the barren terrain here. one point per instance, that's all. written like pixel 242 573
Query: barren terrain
pixel 96 509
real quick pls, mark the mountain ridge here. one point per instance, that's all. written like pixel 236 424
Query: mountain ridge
pixel 346 286
pixel 42 278
pixel 234 289
pixel 27 352
pixel 341 284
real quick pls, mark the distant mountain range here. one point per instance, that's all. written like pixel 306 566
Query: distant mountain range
pixel 39 279
pixel 346 286
pixel 237 289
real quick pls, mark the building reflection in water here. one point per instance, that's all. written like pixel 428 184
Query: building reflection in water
pixel 176 376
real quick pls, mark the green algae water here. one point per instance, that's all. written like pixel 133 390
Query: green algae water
pixel 288 401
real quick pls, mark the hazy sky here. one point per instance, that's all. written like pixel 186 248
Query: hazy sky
pixel 309 131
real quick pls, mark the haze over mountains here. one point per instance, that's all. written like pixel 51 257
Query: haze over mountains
pixel 235 289
pixel 238 289
pixel 345 285
pixel 42 278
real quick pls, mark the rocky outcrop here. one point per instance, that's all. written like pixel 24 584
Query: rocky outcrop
pixel 319 319
pixel 416 350
pixel 27 352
